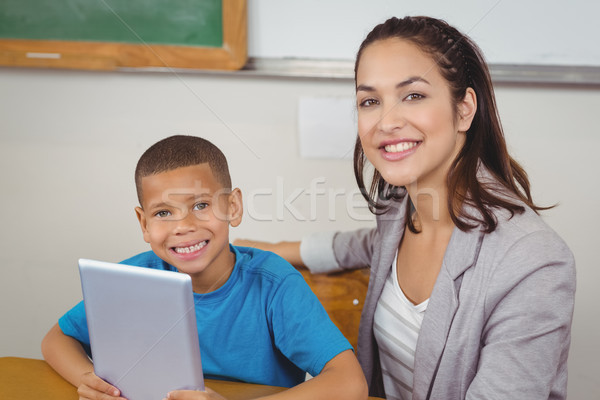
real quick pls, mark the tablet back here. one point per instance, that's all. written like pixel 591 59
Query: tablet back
pixel 142 326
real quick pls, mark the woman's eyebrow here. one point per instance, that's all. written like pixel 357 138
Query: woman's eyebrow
pixel 411 80
pixel 406 82
pixel 365 88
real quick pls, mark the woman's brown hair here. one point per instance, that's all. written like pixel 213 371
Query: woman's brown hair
pixel 461 63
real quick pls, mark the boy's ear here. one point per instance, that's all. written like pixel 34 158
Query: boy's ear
pixel 139 212
pixel 466 110
pixel 236 207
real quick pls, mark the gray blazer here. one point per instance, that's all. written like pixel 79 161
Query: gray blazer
pixel 498 322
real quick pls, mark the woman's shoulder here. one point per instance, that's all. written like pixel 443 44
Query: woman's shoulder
pixel 524 240
pixel 515 226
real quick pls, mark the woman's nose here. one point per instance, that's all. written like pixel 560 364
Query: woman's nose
pixel 391 118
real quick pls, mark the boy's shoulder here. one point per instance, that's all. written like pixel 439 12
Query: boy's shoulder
pixel 265 263
pixel 148 259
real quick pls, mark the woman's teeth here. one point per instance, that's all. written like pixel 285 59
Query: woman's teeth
pixel 399 147
pixel 190 249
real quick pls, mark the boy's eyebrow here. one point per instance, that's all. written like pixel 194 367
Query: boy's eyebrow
pixel 406 82
pixel 164 204
pixel 158 205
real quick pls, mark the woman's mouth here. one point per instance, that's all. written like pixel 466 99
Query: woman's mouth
pixel 399 150
pixel 400 147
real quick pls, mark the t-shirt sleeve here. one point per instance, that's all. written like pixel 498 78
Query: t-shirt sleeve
pixel 74 324
pixel 302 330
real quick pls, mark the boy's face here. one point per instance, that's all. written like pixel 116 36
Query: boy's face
pixel 185 217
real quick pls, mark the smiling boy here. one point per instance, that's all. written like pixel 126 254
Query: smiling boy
pixel 258 321
pixel 185 218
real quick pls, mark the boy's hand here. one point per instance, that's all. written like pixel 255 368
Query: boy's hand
pixel 93 387
pixel 194 395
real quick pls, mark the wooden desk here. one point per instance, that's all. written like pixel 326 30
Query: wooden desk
pixel 29 379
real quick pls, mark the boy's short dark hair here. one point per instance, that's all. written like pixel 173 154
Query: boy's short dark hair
pixel 181 151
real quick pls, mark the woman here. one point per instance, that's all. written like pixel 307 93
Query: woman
pixel 471 294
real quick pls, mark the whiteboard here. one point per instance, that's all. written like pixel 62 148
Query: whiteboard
pixel 516 32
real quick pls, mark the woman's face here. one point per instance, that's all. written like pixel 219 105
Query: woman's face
pixel 407 123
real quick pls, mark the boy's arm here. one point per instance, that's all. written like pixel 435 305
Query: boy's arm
pixel 68 358
pixel 341 378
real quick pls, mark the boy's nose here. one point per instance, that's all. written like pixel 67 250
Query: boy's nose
pixel 186 224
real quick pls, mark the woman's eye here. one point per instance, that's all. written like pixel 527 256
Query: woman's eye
pixel 200 206
pixel 368 103
pixel 414 96
pixel 162 214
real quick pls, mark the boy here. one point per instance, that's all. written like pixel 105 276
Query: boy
pixel 258 321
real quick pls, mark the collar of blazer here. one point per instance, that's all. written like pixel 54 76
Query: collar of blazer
pixel 462 250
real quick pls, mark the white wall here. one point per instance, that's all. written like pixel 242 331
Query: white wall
pixel 69 141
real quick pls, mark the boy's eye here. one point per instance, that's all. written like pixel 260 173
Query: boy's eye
pixel 162 214
pixel 200 206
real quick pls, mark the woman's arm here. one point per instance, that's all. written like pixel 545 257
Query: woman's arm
pixel 527 333
pixel 324 252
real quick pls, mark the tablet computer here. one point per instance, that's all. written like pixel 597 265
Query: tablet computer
pixel 142 326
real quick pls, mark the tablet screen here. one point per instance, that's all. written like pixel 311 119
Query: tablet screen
pixel 142 326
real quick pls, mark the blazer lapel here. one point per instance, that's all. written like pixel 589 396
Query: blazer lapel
pixel 390 227
pixel 461 254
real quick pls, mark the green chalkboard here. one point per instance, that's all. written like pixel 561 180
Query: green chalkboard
pixel 175 22
pixel 157 25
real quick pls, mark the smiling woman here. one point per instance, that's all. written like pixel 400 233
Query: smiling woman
pixel 471 294
pixel 406 115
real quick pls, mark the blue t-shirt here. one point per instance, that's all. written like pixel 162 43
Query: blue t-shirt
pixel 264 325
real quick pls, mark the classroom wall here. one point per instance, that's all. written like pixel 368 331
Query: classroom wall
pixel 69 141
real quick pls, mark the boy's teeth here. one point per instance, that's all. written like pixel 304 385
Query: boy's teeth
pixel 190 249
pixel 399 147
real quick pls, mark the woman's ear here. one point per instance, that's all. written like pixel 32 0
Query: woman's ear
pixel 466 110
pixel 236 207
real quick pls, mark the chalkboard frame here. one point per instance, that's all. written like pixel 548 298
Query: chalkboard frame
pixel 232 55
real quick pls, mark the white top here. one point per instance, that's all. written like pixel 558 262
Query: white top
pixel 396 327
